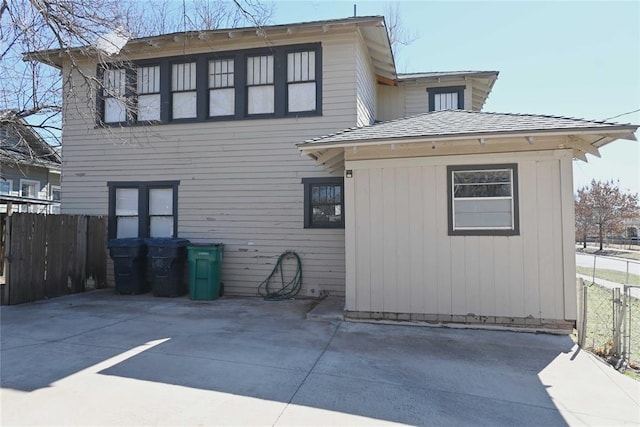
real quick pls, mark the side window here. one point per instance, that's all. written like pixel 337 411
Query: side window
pixel 301 81
pixel 183 91
pixel 323 202
pixel 446 98
pixel 260 85
pixel 148 85
pixel 143 209
pixel 6 186
pixel 221 88
pixel 114 95
pixel 483 200
pixel 29 188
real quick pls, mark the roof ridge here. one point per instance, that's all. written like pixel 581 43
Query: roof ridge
pixel 550 116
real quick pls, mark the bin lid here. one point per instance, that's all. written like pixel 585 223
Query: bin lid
pixel 129 242
pixel 167 242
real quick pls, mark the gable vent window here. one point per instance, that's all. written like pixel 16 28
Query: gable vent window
pixel 183 88
pixel 221 88
pixel 301 79
pixel 446 98
pixel 148 85
pixel 114 95
pixel 260 93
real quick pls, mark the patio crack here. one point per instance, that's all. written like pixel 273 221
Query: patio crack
pixel 324 350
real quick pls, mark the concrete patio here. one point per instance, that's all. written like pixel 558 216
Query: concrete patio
pixel 104 359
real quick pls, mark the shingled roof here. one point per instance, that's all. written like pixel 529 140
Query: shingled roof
pixel 462 123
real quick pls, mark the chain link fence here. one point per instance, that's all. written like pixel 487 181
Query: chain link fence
pixel 609 315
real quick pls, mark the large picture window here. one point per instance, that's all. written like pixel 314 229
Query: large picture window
pixel 323 202
pixel 143 209
pixel 483 200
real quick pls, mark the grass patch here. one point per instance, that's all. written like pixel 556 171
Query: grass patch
pixel 599 333
pixel 609 275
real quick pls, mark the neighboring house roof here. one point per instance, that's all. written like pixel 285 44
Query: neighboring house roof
pixel 20 144
pixel 373 30
pixel 462 123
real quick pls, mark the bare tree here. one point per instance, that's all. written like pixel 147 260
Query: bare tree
pixel 96 28
pixel 398 33
pixel 584 217
pixel 606 207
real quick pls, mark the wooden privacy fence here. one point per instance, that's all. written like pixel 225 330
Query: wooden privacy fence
pixel 46 256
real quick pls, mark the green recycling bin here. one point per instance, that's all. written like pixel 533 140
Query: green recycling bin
pixel 205 271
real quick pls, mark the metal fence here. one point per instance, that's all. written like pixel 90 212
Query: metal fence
pixel 609 312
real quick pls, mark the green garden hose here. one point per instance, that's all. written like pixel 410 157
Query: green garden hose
pixel 285 290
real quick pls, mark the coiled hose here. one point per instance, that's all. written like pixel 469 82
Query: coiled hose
pixel 287 290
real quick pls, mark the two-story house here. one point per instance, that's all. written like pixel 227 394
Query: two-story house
pixel 29 168
pixel 292 137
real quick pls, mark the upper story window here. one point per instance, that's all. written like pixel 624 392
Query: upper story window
pixel 114 83
pixel 483 200
pixel 148 85
pixel 301 81
pixel 222 100
pixel 6 187
pixel 280 81
pixel 260 85
pixel 446 98
pixel 183 91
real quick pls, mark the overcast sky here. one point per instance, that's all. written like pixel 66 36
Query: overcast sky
pixel 574 59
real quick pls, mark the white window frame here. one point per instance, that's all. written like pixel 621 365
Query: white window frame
pixel 513 229
pixel 36 185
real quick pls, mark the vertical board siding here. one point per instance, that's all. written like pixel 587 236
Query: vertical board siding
pixel 424 270
pixel 240 181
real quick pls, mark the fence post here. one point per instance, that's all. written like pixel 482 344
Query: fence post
pixel 582 313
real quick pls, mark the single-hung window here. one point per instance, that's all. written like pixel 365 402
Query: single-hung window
pixel 126 212
pixel 446 98
pixel 483 200
pixel 183 90
pixel 260 86
pixel 323 202
pixel 114 95
pixel 222 93
pixel 148 85
pixel 301 81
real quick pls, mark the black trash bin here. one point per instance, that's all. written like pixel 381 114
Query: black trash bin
pixel 129 265
pixel 167 257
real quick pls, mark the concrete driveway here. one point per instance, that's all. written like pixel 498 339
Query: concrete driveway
pixel 104 359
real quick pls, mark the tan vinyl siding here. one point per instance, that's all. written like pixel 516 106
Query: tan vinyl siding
pixel 240 181
pixel 414 266
pixel 365 86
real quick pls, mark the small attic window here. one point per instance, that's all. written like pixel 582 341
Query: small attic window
pixel 446 98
